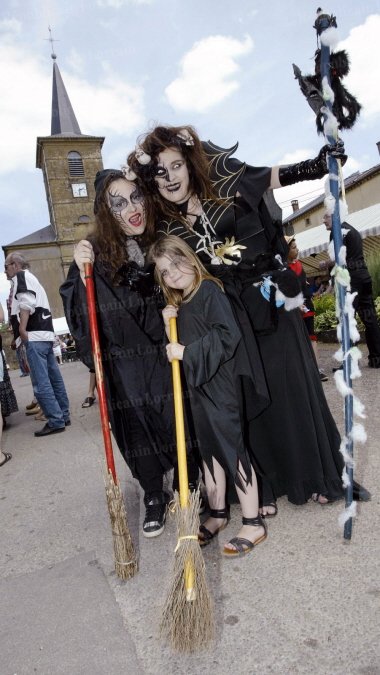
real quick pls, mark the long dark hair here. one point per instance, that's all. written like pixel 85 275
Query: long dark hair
pixel 108 238
pixel 186 140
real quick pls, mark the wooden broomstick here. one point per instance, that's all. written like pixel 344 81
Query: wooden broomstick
pixel 126 564
pixel 187 620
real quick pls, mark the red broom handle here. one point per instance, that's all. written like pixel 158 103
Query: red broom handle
pixel 90 293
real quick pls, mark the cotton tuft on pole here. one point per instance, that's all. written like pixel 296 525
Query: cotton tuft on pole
pixel 337 109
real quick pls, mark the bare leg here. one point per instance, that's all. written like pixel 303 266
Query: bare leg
pixel 90 398
pixel 249 502
pixel 92 385
pixel 3 458
pixel 216 493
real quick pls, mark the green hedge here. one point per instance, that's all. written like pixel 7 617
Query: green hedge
pixel 373 264
pixel 325 318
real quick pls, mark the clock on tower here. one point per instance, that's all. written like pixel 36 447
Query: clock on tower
pixel 79 189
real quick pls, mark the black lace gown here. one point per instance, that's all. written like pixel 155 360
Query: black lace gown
pixel 295 441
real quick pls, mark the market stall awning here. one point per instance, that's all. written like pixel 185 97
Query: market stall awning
pixel 60 326
pixel 313 243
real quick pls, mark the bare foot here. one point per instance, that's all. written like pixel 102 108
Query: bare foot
pixel 320 499
pixel 268 510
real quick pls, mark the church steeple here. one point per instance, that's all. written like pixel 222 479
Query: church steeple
pixel 63 120
pixel 69 161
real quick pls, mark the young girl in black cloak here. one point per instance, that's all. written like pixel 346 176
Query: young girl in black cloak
pixel 209 344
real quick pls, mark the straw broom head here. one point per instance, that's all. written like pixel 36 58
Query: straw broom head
pixel 187 621
pixel 126 564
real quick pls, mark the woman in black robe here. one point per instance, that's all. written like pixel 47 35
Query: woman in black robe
pixel 226 212
pixel 137 376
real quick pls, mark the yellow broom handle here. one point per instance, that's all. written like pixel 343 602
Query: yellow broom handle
pixel 189 572
pixel 179 423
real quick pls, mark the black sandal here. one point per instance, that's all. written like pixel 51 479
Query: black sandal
pixel 7 456
pixel 242 545
pixel 207 536
pixel 88 402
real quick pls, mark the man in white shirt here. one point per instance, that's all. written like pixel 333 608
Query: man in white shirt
pixel 31 318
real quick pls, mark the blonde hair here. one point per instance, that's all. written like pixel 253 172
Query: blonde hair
pixel 172 246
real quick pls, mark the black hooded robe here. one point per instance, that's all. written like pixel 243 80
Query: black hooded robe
pixel 137 373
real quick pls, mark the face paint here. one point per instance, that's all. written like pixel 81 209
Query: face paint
pixel 172 176
pixel 126 203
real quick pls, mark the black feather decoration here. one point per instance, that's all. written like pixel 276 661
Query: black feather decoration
pixel 346 108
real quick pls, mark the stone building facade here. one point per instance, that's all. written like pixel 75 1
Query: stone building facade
pixel 69 161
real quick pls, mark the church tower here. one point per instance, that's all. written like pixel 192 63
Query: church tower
pixel 69 161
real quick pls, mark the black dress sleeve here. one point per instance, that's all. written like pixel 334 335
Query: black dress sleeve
pixel 73 294
pixel 203 357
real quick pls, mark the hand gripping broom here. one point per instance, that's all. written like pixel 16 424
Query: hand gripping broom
pixel 126 564
pixel 187 620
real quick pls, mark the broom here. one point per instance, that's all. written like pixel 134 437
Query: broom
pixel 187 621
pixel 126 564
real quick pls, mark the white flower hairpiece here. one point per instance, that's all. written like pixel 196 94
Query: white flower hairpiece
pixel 142 156
pixel 185 136
pixel 128 173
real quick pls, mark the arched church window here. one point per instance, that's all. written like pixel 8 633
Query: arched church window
pixel 83 219
pixel 75 164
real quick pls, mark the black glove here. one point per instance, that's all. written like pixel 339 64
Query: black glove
pixel 311 169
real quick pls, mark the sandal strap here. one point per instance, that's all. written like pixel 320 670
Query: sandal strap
pixel 239 543
pixel 220 513
pixel 253 521
pixel 207 535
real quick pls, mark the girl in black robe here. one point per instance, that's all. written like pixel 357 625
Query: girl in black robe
pixel 226 212
pixel 137 376
pixel 209 349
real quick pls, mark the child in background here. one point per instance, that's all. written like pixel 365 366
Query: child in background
pixel 308 308
pixel 209 340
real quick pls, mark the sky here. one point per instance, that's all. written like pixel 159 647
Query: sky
pixel 224 67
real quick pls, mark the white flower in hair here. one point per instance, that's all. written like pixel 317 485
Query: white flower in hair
pixel 129 174
pixel 185 136
pixel 142 156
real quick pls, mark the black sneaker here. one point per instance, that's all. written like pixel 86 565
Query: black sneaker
pixel 322 376
pixel 156 504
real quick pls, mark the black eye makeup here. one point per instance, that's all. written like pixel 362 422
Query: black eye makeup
pixel 117 203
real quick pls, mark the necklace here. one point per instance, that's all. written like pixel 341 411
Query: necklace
pixel 207 238
pixel 134 251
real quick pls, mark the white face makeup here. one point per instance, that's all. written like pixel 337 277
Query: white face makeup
pixel 126 203
pixel 177 272
pixel 172 176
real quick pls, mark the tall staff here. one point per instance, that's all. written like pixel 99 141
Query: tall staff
pixel 336 109
pixel 322 23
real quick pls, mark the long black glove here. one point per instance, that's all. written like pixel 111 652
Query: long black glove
pixel 311 169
